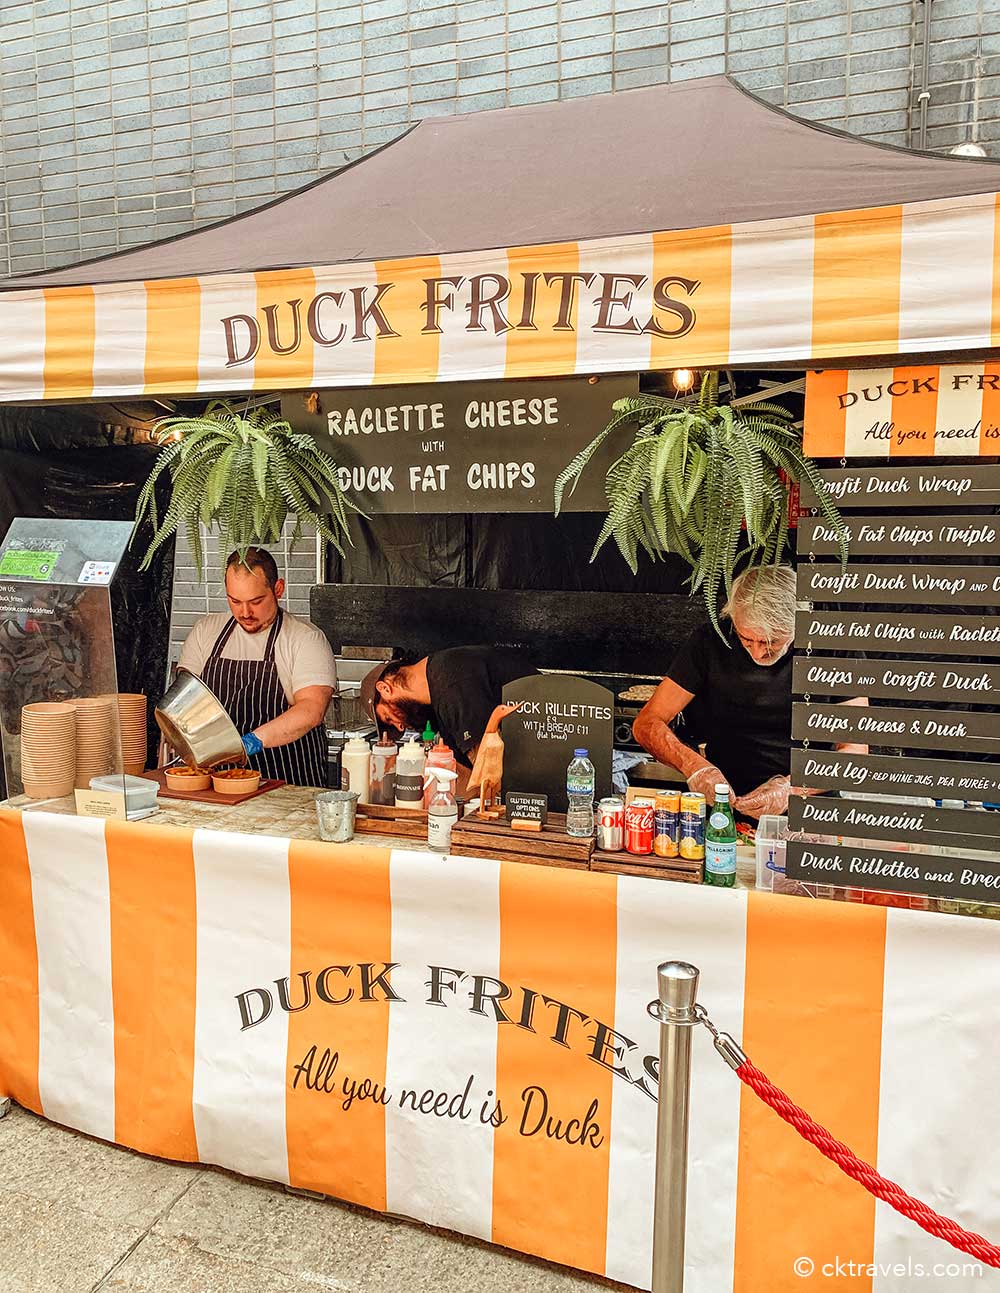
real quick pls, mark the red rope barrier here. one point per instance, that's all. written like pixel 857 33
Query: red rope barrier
pixel 866 1175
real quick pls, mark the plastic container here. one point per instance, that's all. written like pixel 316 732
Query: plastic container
pixel 580 779
pixel 382 786
pixel 440 756
pixel 442 810
pixel 140 792
pixel 356 767
pixel 410 775
pixel 772 837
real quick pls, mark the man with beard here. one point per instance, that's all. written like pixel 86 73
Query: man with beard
pixel 742 687
pixel 273 672
pixel 457 690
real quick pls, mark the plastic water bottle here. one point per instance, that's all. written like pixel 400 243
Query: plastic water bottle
pixel 580 796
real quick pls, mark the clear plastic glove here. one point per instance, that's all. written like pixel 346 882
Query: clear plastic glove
pixel 487 775
pixel 771 797
pixel 704 780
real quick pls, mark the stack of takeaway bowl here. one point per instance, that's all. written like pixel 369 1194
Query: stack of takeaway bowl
pixel 132 723
pixel 48 749
pixel 96 752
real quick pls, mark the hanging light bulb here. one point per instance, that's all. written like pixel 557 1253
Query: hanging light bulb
pixel 682 378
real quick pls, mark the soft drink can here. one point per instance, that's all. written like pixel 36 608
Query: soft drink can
pixel 639 817
pixel 611 824
pixel 666 839
pixel 692 826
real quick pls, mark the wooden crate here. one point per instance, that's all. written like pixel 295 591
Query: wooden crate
pixel 384 819
pixel 681 869
pixel 551 846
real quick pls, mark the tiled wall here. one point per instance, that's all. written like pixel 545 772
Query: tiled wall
pixel 195 596
pixel 128 120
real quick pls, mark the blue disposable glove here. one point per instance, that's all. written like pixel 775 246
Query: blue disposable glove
pixel 252 743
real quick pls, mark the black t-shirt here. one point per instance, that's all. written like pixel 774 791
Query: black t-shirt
pixel 744 710
pixel 466 685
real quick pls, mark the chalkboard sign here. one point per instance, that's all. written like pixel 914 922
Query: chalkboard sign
pixel 900 584
pixel 924 634
pixel 467 446
pixel 916 729
pixel 560 713
pixel 532 808
pixel 887 775
pixel 916 487
pixel 903 536
pixel 869 819
pixel 975 684
pixel 931 874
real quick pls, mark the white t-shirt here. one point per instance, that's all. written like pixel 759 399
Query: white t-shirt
pixel 302 654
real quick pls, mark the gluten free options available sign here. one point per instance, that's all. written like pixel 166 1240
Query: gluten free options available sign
pixel 467 447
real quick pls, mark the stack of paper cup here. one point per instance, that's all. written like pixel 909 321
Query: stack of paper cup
pixel 96 754
pixel 48 750
pixel 132 722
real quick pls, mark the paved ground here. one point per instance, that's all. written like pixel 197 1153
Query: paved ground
pixel 78 1216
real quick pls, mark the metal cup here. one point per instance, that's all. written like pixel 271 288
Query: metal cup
pixel 335 810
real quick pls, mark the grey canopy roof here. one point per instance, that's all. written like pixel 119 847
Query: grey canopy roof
pixel 682 156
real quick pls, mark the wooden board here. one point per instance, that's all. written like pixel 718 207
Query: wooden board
pixel 385 819
pixel 207 796
pixel 550 843
pixel 628 864
pixel 649 860
pixel 499 854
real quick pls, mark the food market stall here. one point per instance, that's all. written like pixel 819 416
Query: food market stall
pixel 460 1039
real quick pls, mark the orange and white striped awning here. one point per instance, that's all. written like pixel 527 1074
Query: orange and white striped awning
pixel 903 279
pixel 126 949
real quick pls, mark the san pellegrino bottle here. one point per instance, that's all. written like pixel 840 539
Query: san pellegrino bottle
pixel 580 780
pixel 720 841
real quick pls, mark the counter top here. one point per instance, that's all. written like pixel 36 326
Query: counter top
pixel 288 812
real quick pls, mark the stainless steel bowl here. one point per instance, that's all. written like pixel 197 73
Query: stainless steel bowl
pixel 197 725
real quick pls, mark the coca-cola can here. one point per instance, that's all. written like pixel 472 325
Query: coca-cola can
pixel 611 824
pixel 639 827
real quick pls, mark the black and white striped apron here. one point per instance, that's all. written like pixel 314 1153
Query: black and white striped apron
pixel 251 692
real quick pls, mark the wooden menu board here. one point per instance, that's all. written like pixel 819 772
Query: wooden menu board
pixel 872 819
pixel 915 487
pixel 974 684
pixel 887 774
pixel 975 635
pixel 903 536
pixel 898 584
pixel 960 731
pixel 932 874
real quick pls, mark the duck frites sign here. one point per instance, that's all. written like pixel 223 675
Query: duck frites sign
pixel 879 820
pixel 917 729
pixel 900 585
pixel 909 487
pixel 976 684
pixel 890 775
pixel 907 412
pixel 466 447
pixel 904 536
pixel 924 634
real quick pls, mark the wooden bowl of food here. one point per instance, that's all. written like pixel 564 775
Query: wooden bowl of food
pixel 236 781
pixel 187 778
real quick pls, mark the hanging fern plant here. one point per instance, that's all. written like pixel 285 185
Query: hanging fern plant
pixel 243 472
pixel 705 481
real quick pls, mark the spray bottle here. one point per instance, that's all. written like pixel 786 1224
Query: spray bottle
pixel 440 756
pixel 442 811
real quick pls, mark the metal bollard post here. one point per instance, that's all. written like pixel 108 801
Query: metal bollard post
pixel 678 992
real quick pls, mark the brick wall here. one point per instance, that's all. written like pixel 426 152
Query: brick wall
pixel 128 120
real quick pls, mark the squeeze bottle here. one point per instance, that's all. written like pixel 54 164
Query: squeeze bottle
pixel 410 774
pixel 355 762
pixel 440 757
pixel 442 811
